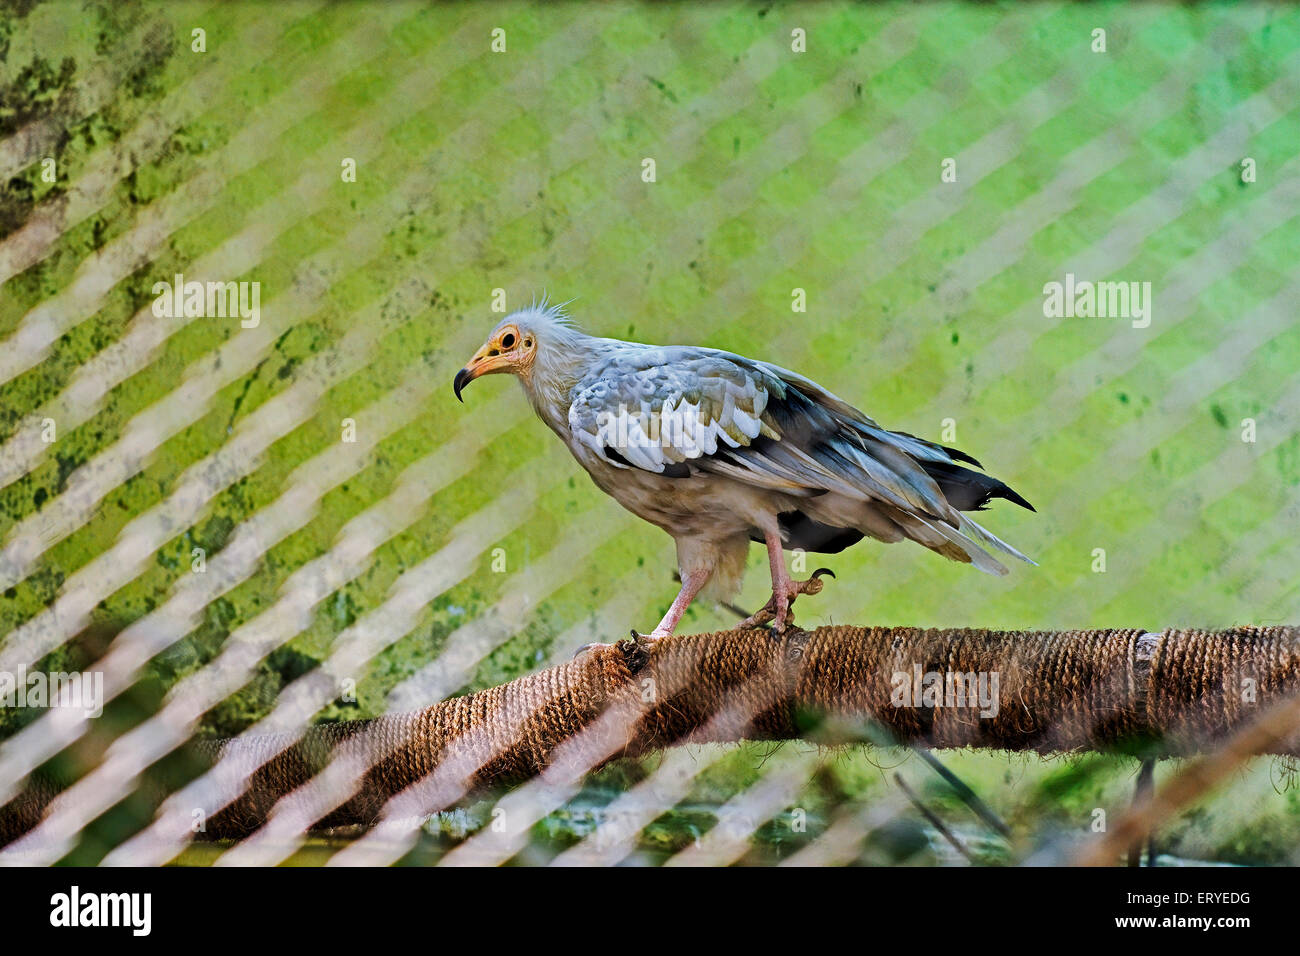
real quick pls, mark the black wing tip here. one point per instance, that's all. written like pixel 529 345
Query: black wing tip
pixel 956 454
pixel 959 455
pixel 1010 495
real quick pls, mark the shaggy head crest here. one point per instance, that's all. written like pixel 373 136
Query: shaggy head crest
pixel 542 316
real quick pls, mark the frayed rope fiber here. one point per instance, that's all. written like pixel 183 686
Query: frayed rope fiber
pixel 1179 691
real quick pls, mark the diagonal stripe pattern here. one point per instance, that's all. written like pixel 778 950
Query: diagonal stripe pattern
pixel 921 173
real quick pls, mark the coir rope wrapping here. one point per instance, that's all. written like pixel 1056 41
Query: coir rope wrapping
pixel 1178 691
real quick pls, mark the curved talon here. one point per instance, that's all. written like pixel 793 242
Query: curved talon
pixel 813 585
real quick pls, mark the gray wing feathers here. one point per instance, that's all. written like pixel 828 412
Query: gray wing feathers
pixel 708 411
pixel 659 407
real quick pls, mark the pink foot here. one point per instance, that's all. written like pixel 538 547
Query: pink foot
pixel 778 608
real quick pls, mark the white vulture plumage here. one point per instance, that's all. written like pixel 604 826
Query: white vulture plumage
pixel 720 450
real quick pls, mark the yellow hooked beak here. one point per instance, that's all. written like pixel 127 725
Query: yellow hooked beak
pixel 486 360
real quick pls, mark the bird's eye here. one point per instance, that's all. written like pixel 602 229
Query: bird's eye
pixel 508 340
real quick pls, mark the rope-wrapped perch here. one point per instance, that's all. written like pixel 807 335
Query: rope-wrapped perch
pixel 1175 692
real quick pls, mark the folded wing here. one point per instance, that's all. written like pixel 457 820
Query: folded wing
pixel 679 412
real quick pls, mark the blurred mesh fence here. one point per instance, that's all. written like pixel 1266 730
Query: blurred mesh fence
pixel 253 524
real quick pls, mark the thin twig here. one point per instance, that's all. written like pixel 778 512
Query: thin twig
pixel 967 795
pixel 1142 795
pixel 931 818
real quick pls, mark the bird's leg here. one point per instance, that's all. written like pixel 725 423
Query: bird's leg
pixel 692 583
pixel 776 560
pixel 784 588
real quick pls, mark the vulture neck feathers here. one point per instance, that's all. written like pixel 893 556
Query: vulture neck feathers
pixel 565 354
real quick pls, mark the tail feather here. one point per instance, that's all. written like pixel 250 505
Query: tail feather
pixel 979 533
pixel 977 555
pixel 947 541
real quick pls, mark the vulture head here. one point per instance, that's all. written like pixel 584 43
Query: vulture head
pixel 537 344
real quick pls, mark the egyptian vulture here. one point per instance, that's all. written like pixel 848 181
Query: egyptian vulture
pixel 720 450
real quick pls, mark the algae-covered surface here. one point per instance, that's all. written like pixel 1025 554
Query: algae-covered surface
pixel 920 172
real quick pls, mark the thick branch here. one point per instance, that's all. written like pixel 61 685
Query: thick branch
pixel 1175 692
